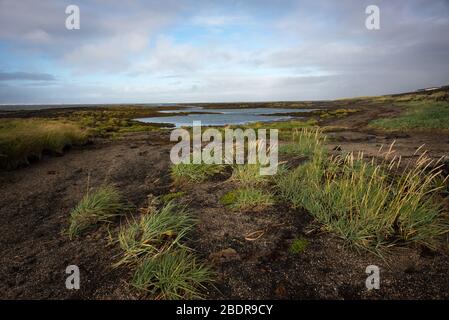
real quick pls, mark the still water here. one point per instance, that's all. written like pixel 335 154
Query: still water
pixel 220 117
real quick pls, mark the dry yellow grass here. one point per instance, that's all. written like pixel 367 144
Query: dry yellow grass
pixel 23 139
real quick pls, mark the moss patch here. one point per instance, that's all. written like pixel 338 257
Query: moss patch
pixel 299 245
pixel 229 198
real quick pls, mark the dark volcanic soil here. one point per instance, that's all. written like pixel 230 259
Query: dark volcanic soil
pixel 35 203
pixel 34 206
pixel 266 269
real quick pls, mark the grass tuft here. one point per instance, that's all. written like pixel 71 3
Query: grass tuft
pixel 155 232
pixel 166 198
pixel 248 175
pixel 372 206
pixel 101 205
pixel 307 143
pixel 247 199
pixel 172 275
pixel 194 173
pixel 164 267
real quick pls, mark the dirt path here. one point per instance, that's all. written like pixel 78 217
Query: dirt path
pixel 352 134
pixel 360 120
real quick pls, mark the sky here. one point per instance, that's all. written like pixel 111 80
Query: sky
pixel 218 51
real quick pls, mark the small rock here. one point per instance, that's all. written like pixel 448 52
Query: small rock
pixel 280 291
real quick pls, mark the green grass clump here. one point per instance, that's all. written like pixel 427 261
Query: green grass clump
pixel 306 142
pixel 299 245
pixel 285 128
pixel 418 115
pixel 247 199
pixel 229 198
pixel 101 205
pixel 338 113
pixel 172 196
pixel 155 232
pixel 164 267
pixel 368 204
pixel 248 175
pixel 193 173
pixel 172 275
pixel 23 139
pixel 290 149
pixel 113 121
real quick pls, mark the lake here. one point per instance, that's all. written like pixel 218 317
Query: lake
pixel 221 117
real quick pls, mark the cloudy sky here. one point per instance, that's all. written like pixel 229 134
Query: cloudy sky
pixel 190 51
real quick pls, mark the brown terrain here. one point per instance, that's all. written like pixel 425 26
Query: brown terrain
pixel 35 202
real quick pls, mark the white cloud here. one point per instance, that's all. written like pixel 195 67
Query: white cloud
pixel 113 54
pixel 240 50
pixel 218 20
pixel 37 36
pixel 168 58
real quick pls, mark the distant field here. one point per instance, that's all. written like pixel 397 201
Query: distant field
pixel 35 132
pixel 420 115
pixel 24 139
pixel 422 111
